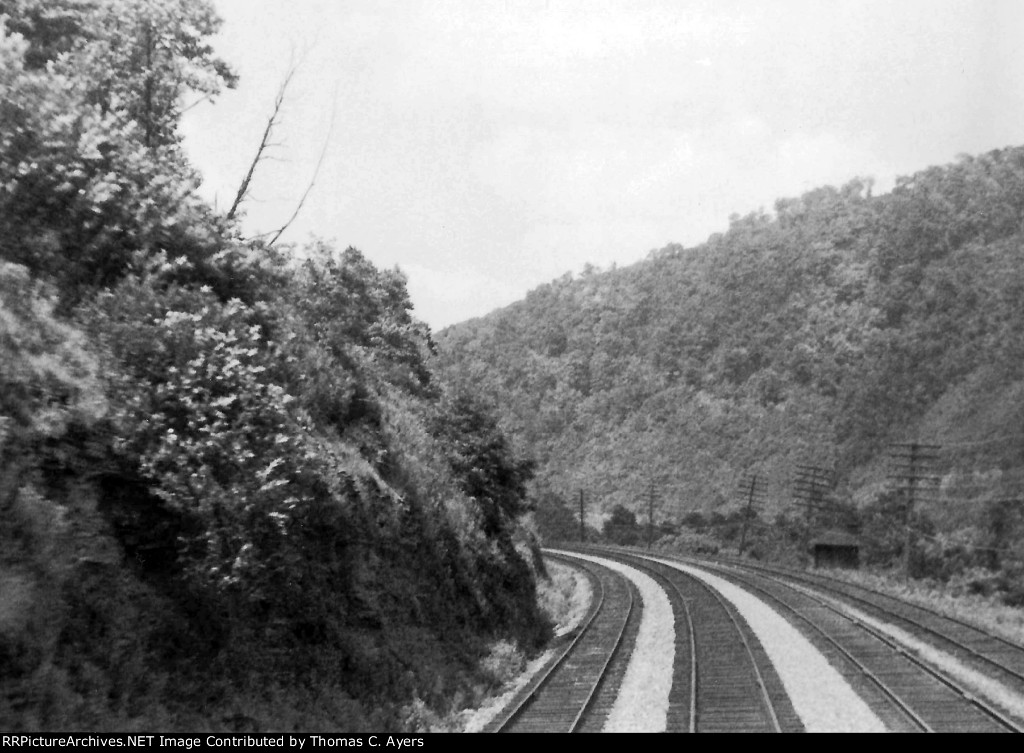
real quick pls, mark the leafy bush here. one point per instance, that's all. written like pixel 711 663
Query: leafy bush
pixel 222 446
pixel 621 527
pixel 236 494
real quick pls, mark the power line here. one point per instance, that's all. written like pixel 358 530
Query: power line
pixel 973 547
pixel 980 442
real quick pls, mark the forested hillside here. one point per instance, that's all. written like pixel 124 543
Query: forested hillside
pixel 814 335
pixel 234 493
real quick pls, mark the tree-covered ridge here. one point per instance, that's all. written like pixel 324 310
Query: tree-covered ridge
pixel 815 334
pixel 236 495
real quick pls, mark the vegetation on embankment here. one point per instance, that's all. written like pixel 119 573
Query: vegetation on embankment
pixel 809 338
pixel 963 597
pixel 234 493
pixel 565 597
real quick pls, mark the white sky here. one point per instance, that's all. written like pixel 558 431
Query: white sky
pixel 488 146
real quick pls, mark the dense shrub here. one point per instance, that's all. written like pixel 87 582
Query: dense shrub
pixel 235 494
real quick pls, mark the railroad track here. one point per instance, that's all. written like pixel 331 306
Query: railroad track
pixel 907 692
pixel 730 684
pixel 561 696
pixel 722 679
pixel 990 653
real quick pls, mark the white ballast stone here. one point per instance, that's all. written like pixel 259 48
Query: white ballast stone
pixel 823 700
pixel 642 702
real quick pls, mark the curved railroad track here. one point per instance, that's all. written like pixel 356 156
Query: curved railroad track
pixel 728 683
pixel 724 681
pixel 907 692
pixel 990 653
pixel 561 696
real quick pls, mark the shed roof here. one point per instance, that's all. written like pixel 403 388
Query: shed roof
pixel 835 538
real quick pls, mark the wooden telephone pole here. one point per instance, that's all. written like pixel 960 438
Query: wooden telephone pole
pixel 811 485
pixel 753 491
pixel 911 461
pixel 650 514
pixel 582 529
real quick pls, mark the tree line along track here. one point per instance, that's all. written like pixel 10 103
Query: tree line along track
pixel 905 690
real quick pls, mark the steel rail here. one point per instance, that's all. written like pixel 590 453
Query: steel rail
pixel 939 675
pixel 832 585
pixel 691 634
pixel 730 611
pixel 875 592
pixel 542 681
pixel 765 696
pixel 693 662
pixel 604 666
pixel 512 711
pixel 888 692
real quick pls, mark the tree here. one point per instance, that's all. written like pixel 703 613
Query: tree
pixel 482 460
pixel 555 519
pixel 90 157
pixel 52 26
pixel 143 57
pixel 621 527
pixel 352 305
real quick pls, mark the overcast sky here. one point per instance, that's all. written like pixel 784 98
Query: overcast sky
pixel 488 146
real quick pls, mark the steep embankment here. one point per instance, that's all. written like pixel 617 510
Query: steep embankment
pixel 234 494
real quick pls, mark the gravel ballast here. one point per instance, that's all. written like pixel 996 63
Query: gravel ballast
pixel 642 701
pixel 983 685
pixel 824 701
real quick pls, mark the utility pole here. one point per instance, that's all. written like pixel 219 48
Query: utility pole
pixel 912 459
pixel 650 515
pixel 811 485
pixel 582 529
pixel 753 493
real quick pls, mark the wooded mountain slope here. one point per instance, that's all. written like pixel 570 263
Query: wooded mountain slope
pixel 815 334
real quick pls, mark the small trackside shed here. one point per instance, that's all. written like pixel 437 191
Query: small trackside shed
pixel 836 549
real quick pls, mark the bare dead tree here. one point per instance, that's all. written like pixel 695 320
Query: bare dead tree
pixel 265 143
pixel 312 180
pixel 273 121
